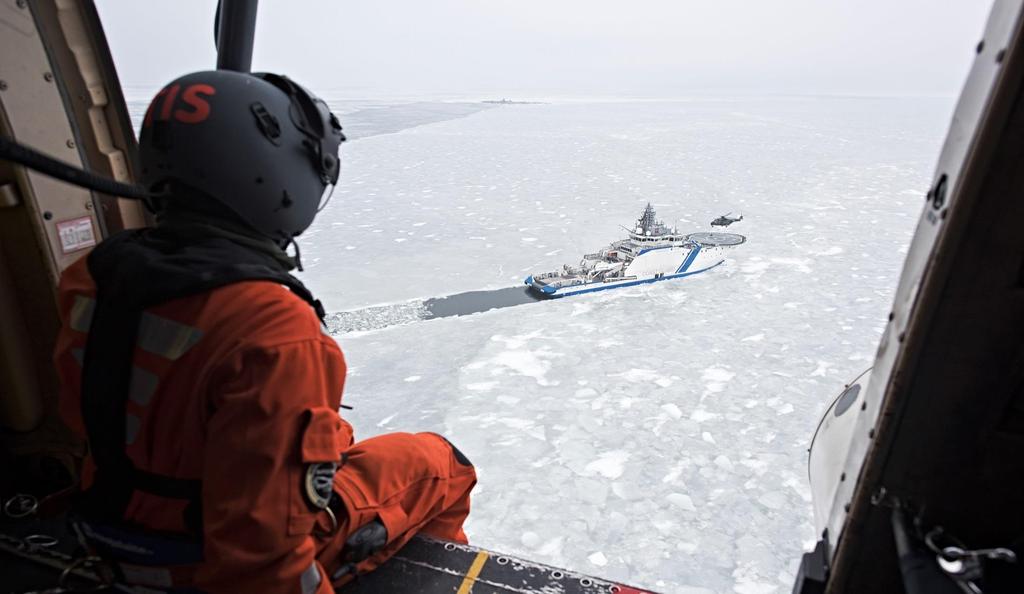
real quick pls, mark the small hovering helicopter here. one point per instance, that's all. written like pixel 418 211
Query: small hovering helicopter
pixel 726 220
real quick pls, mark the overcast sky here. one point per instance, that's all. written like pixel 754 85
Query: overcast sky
pixel 534 48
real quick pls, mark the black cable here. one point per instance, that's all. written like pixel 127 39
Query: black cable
pixel 47 165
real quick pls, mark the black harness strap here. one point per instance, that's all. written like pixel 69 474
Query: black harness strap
pixel 105 378
pixel 167 486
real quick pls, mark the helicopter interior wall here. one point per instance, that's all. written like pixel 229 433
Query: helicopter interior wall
pixel 957 451
pixel 78 53
pixel 29 265
pixel 60 95
pixel 949 435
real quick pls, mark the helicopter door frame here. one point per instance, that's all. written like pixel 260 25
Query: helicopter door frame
pixel 60 94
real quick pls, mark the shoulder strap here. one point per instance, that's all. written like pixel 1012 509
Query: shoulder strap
pixel 105 376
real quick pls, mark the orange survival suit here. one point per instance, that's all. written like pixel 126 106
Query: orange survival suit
pixel 201 374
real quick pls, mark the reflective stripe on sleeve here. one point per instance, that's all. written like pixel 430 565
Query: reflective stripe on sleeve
pixel 132 424
pixel 142 386
pixel 81 313
pixel 310 579
pixel 166 338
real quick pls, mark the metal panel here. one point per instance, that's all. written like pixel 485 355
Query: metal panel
pixel 58 94
pixel 77 49
pixel 32 112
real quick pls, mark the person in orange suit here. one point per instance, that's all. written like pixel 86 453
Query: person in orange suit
pixel 201 373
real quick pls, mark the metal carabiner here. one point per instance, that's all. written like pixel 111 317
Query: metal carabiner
pixel 334 524
pixel 961 564
pixel 88 563
pixel 21 505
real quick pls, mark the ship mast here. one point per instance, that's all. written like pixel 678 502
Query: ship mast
pixel 647 221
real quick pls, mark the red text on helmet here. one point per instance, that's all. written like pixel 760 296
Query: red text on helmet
pixel 198 108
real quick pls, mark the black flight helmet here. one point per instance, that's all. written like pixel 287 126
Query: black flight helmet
pixel 259 144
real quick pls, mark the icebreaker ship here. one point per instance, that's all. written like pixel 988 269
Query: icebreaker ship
pixel 652 252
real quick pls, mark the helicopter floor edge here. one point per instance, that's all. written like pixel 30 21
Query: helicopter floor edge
pixel 432 566
pixel 38 551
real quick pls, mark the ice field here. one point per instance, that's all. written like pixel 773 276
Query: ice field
pixel 656 435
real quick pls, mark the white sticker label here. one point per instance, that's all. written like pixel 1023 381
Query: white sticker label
pixel 76 234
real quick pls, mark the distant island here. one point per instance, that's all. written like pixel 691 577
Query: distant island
pixel 511 102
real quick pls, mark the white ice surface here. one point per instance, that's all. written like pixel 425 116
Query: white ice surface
pixel 655 435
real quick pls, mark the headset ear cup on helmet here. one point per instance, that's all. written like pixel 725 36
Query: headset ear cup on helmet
pixel 259 144
pixel 313 117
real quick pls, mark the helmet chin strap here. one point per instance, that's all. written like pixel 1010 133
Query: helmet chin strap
pixel 298 255
pixel 291 242
pixel 325 201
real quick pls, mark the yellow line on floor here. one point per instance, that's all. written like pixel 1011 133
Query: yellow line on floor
pixel 474 570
